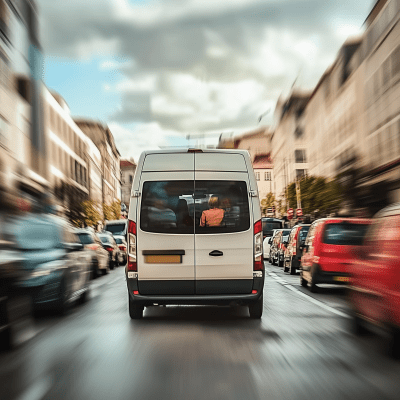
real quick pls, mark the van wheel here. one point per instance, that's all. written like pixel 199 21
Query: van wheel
pixel 292 268
pixel 256 309
pixel 135 311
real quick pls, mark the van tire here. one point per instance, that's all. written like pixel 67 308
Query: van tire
pixel 135 311
pixel 256 309
pixel 359 327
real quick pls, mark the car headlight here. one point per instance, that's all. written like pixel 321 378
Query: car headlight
pixel 46 269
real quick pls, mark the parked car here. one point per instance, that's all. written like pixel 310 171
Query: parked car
pixel 117 227
pixel 328 250
pixel 112 248
pixel 277 247
pixel 271 224
pixel 267 244
pixel 98 255
pixel 53 255
pixel 122 245
pixel 375 277
pixel 15 304
pixel 294 248
pixel 195 237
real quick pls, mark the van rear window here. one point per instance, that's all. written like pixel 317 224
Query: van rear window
pixel 188 207
pixel 345 234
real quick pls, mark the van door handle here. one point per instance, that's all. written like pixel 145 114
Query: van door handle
pixel 216 253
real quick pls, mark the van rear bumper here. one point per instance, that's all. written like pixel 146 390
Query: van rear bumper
pixel 198 299
pixel 333 277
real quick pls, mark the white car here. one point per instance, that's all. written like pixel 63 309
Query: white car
pixel 267 244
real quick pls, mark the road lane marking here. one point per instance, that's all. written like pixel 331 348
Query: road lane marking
pixel 309 298
pixel 36 391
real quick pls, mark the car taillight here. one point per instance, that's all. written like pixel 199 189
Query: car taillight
pixel 258 264
pixel 109 248
pixel 294 250
pixel 92 247
pixel 315 259
pixel 132 261
pixel 123 248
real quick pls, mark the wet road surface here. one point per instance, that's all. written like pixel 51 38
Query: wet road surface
pixel 302 348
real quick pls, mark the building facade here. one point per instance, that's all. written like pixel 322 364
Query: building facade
pixel 103 139
pixel 128 168
pixel 264 171
pixel 289 141
pixel 23 159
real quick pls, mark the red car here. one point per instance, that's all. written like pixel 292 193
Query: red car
pixel 328 250
pixel 374 293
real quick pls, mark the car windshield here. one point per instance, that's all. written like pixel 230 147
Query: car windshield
pixel 284 238
pixel 85 238
pixel 270 226
pixel 105 239
pixel 303 233
pixel 119 240
pixel 345 233
pixel 116 229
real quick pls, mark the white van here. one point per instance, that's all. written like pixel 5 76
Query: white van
pixel 194 231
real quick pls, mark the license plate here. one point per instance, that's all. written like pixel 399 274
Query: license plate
pixel 341 278
pixel 163 259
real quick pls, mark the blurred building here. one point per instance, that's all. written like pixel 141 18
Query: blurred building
pixel 258 144
pixel 22 138
pixel 67 151
pixel 128 168
pixel 289 142
pixel 380 54
pixel 349 126
pixel 102 137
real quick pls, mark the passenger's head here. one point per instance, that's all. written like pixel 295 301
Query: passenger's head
pixel 213 202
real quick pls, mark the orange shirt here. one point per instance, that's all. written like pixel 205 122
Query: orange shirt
pixel 212 217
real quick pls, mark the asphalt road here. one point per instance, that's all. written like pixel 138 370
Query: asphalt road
pixel 301 349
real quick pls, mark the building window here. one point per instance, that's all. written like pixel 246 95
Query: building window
pixel 267 176
pixel 300 156
pixel 300 173
pixel 130 178
pixel 4 131
pixel 258 176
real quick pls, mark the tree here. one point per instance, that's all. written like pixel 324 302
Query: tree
pixel 107 212
pixel 92 214
pixel 317 193
pixel 116 210
pixel 268 202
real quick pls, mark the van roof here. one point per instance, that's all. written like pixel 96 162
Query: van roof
pixel 186 150
pixel 344 219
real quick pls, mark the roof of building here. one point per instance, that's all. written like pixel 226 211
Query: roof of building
pixel 262 161
pixel 127 163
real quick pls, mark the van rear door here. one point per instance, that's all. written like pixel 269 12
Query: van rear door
pixel 223 251
pixel 165 227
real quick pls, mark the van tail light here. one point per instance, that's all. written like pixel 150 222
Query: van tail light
pixel 132 261
pixel 258 264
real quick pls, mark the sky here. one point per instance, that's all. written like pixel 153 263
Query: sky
pixel 157 71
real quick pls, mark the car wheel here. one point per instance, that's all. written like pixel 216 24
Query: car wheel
pixel 292 268
pixel 273 260
pixel 280 263
pixel 62 303
pixel 95 270
pixel 303 282
pixel 135 310
pixel 270 259
pixel 285 268
pixel 358 327
pixel 313 285
pixel 85 296
pixel 112 264
pixel 256 309
pixel 395 343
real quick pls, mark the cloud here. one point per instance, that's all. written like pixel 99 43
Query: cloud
pixel 199 65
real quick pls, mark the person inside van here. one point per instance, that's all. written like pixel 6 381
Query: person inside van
pixel 213 216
